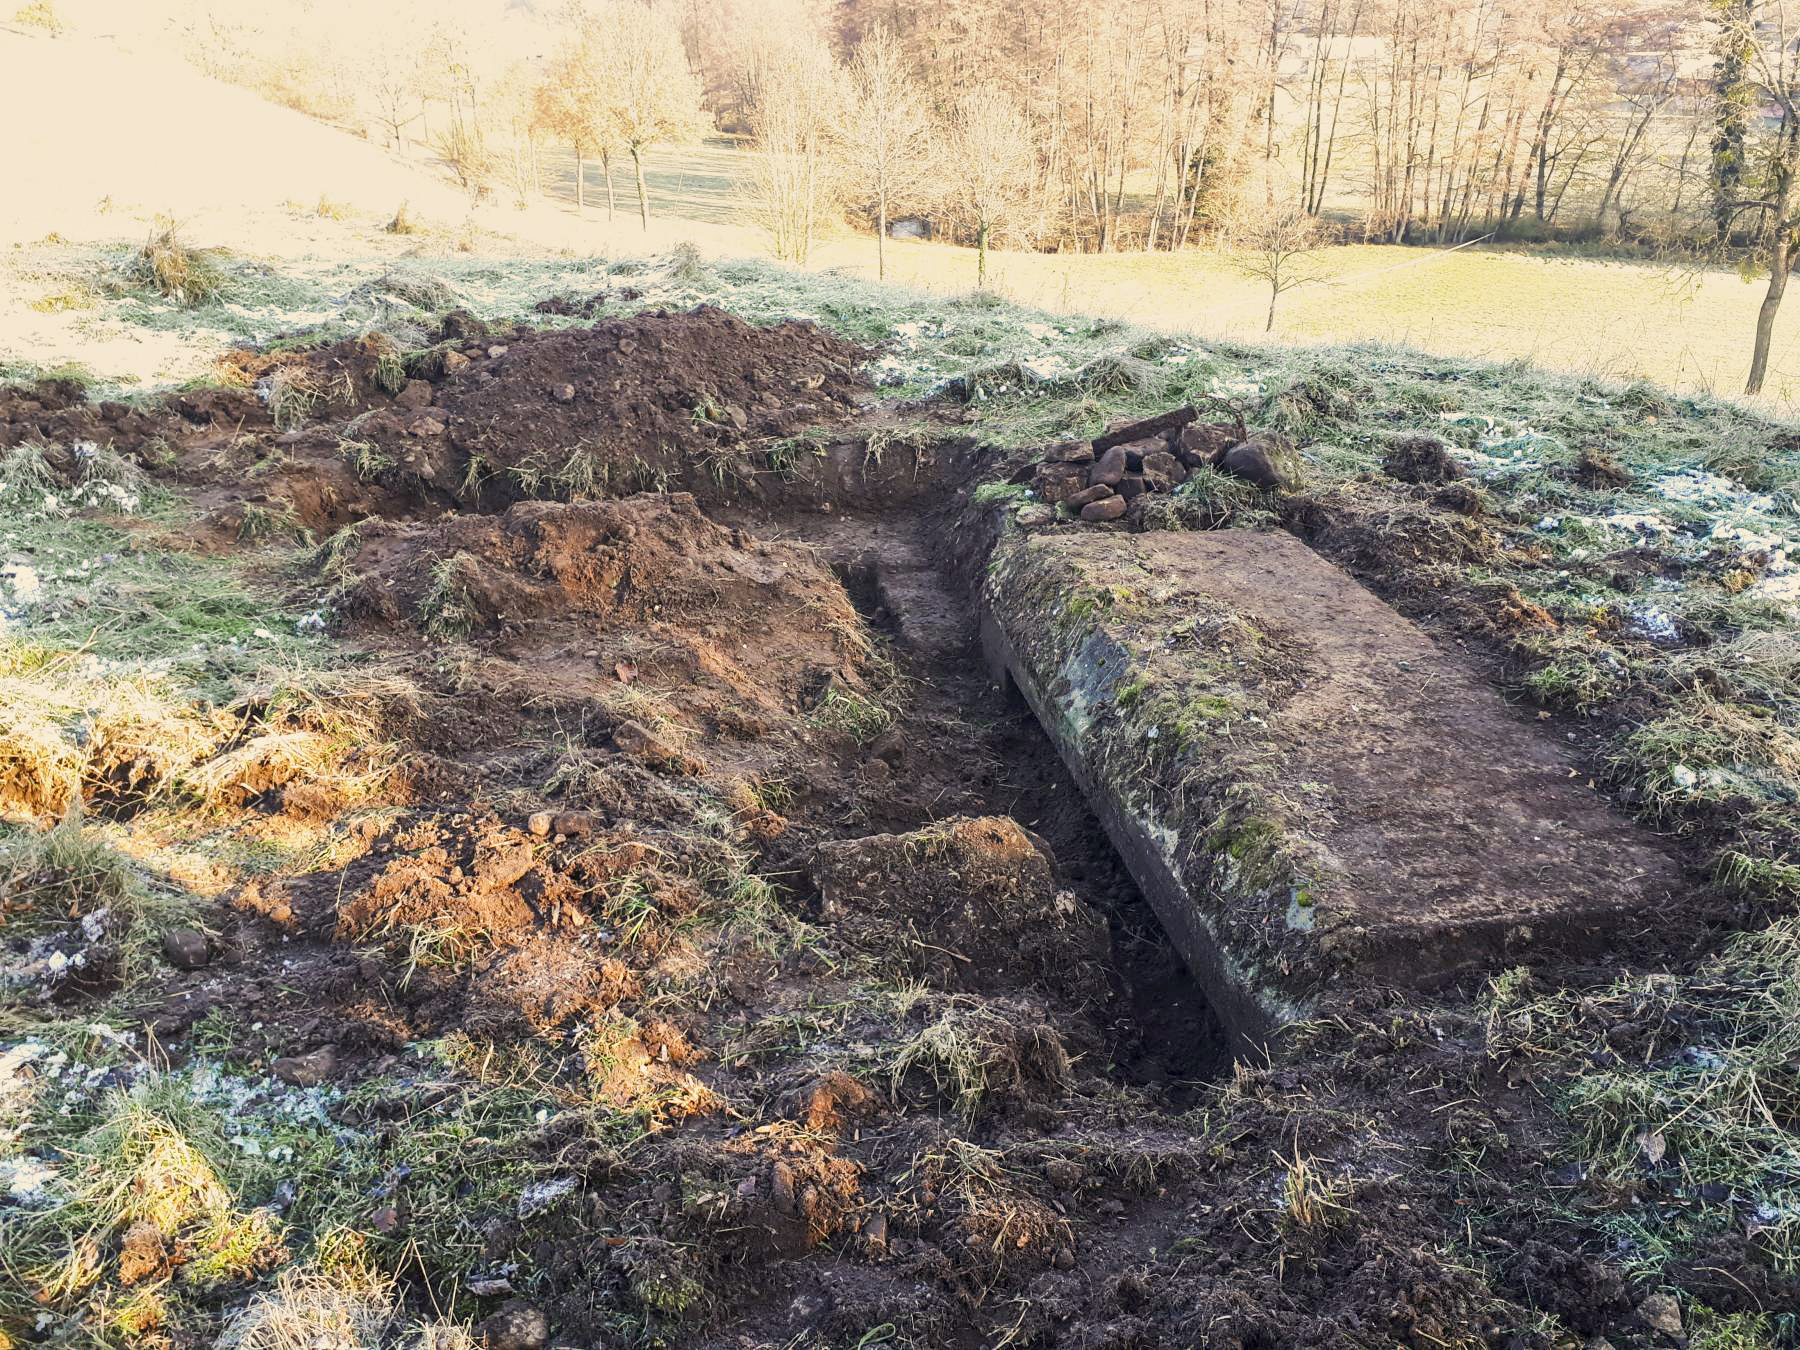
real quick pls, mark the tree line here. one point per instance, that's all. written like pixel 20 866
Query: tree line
pixel 1104 125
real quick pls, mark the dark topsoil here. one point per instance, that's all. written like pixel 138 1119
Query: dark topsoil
pixel 628 701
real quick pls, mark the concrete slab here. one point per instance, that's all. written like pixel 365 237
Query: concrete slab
pixel 1308 789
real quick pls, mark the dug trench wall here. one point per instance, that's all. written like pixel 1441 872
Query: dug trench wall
pixel 1310 792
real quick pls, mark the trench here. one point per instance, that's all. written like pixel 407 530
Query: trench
pixel 900 570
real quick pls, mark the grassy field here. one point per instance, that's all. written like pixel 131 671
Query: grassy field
pixel 1687 330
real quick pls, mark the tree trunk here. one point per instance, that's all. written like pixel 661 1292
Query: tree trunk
pixel 881 237
pixel 1274 295
pixel 981 234
pixel 580 167
pixel 637 164
pixel 611 199
pixel 1779 264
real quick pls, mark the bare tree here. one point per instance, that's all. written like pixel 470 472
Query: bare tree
pixel 1773 70
pixel 653 98
pixel 572 104
pixel 885 136
pixel 989 169
pixel 795 108
pixel 1276 244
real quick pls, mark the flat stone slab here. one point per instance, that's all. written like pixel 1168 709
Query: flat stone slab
pixel 1310 792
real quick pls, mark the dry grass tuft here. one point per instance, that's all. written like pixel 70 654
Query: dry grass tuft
pixel 169 266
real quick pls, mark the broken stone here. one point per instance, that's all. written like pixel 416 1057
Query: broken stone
pixel 541 823
pixel 1059 482
pixel 1035 515
pixel 1099 492
pixel 517 1325
pixel 575 824
pixel 1204 442
pixel 497 351
pixel 1065 1258
pixel 1110 508
pixel 186 948
pixel 563 393
pixel 1131 487
pixel 1123 432
pixel 306 1070
pixel 1069 452
pixel 1109 468
pixel 1163 472
pixel 1266 463
pixel 454 361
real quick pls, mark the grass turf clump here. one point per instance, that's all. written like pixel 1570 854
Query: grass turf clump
pixel 168 265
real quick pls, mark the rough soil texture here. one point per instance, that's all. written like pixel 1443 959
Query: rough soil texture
pixel 825 1010
pixel 1315 795
pixel 657 399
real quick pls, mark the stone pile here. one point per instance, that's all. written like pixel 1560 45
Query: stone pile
pixel 1098 480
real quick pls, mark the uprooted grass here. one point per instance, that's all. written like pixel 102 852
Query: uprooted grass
pixel 167 264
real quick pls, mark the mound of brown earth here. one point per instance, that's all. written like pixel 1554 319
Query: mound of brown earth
pixel 969 904
pixel 56 412
pixel 653 400
pixel 623 600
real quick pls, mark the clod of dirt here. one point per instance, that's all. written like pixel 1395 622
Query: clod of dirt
pixel 143 1254
pixel 186 948
pixel 1599 470
pixel 308 1070
pixel 517 1325
pixel 1421 459
pixel 970 903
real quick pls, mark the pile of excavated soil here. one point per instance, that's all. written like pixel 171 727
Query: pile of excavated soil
pixel 617 606
pixel 625 404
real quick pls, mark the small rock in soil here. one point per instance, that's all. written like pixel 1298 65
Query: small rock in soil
pixel 454 361
pixel 875 1231
pixel 1098 492
pixel 186 948
pixel 1110 467
pixel 541 823
pixel 1065 1258
pixel 518 1325
pixel 1109 509
pixel 306 1070
pixel 563 393
pixel 1661 1312
pixel 1032 516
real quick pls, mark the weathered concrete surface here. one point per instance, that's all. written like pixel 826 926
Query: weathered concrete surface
pixel 1309 791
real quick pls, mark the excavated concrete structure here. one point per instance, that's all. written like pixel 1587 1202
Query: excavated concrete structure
pixel 1310 791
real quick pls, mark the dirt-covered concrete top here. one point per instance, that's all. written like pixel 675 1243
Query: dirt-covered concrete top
pixel 1308 788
